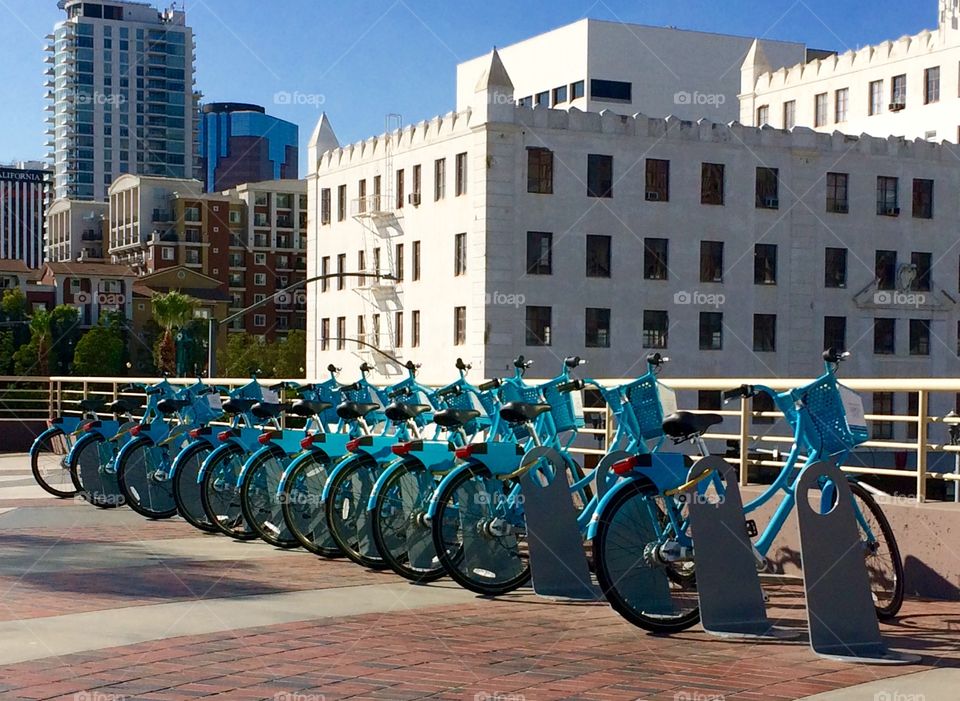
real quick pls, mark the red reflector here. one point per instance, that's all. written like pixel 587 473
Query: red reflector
pixel 224 435
pixel 306 442
pixel 401 448
pixel 464 453
pixel 87 426
pixel 135 431
pixel 624 466
pixel 265 438
pixel 195 433
pixel 353 445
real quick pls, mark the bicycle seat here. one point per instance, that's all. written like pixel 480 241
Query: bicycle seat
pixel 171 406
pixel 122 406
pixel 521 412
pixel 92 404
pixel 306 407
pixel 405 412
pixel 262 410
pixel 683 424
pixel 351 411
pixel 237 406
pixel 454 418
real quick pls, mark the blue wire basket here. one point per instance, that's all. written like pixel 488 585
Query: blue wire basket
pixel 824 427
pixel 562 408
pixel 643 399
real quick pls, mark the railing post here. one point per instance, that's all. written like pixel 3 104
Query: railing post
pixel 923 401
pixel 50 410
pixel 744 442
pixel 608 427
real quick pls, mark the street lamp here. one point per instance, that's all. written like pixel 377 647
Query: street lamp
pixel 214 324
pixel 952 420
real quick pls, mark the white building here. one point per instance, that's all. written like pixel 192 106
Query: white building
pixel 659 71
pixel 120 96
pixel 906 87
pixel 24 191
pixel 736 250
pixel 75 231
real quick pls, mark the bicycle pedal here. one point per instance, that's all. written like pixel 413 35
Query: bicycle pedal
pixel 751 527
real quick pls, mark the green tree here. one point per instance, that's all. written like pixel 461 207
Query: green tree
pixel 172 311
pixel 244 356
pixel 291 356
pixel 100 351
pixel 7 350
pixel 13 305
pixel 64 334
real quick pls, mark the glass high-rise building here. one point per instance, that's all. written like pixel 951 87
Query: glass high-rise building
pixel 121 98
pixel 240 143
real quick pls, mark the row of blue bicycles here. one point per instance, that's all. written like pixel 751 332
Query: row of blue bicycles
pixel 429 482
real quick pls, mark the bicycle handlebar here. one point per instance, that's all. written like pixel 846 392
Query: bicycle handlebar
pixel 741 392
pixel 355 387
pixel 489 385
pixel 571 386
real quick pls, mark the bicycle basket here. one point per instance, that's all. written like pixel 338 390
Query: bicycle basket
pixel 466 401
pixel 834 416
pixel 513 392
pixel 566 410
pixel 643 400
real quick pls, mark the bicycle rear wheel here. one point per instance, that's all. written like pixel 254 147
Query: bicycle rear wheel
pixel 144 478
pixel 655 596
pixel 260 502
pixel 48 463
pixel 221 497
pixel 399 527
pixel 479 532
pixel 186 491
pixel 304 511
pixel 884 565
pixel 88 470
pixel 347 516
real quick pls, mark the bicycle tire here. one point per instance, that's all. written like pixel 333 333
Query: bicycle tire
pixel 887 607
pixel 53 443
pixel 346 510
pixel 136 487
pixel 88 474
pixel 231 521
pixel 254 515
pixel 304 510
pixel 186 491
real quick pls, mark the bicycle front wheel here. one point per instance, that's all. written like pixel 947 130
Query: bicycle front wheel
pixel 143 475
pixel 88 470
pixel 186 490
pixel 304 511
pixel 479 532
pixel 48 462
pixel 260 502
pixel 884 565
pixel 220 495
pixel 347 516
pixel 655 596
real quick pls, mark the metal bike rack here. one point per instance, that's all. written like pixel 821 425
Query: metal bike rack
pixel 728 584
pixel 840 610
pixel 558 564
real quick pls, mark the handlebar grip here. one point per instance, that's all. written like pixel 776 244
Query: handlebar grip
pixel 349 388
pixel 446 392
pixel 741 392
pixel 571 386
pixel 489 385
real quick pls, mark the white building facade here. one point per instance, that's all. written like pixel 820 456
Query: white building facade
pixel 907 87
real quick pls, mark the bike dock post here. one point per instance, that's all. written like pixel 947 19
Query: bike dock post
pixel 558 564
pixel 840 609
pixel 728 584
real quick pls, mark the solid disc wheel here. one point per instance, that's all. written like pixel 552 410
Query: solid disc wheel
pixel 261 503
pixel 304 510
pixel 400 530
pixel 144 478
pixel 884 565
pixel 48 463
pixel 221 497
pixel 89 475
pixel 186 491
pixel 347 515
pixel 479 533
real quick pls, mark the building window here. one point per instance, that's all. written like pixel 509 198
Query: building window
pixel 324 271
pixel 540 171
pixel 764 333
pixel 361 328
pixel 525 101
pixel 400 193
pixel 259 258
pixel 789 114
pixel 325 205
pixel 538 326
pixel 460 255
pixel 922 264
pixel 922 198
pixel 260 279
pixel 398 261
pixel 415 272
pixel 539 253
pixel 887 191
pixel 838 201
pixel 655 328
pixel 341 203
pixel 883 405
pixel 709 400
pixel 376 259
pixel 560 95
pixel 835 333
pixel 599 175
pixel 398 329
pixel 711 261
pixel 598 255
pixel 835 268
pixel 610 90
pixel 841 104
pixel 542 99
pixel 884 336
pixel 168 253
pixel 711 331
pixel 919 337
pixel 459 326
pixel 415 328
pixel 259 320
pixel 931 85
pixel 765 264
pixel 576 90
pixel 461 185
pixel 341 332
pixel 763 115
pixel 768 188
pixel 597 328
pixel 820 110
pixel 886 269
pixel 415 194
pixel 361 267
pixel 898 92
pixel 711 183
pixel 658 180
pixel 376 329
pixel 655 259
pixel 362 196
pixel 762 403
pixel 341 269
pixel 439 179
pixel 876 97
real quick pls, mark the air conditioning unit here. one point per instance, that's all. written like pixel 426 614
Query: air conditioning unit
pixel 842 209
pixel 414 199
pixel 771 202
pixel 892 212
pixel 653 196
pixel 897 105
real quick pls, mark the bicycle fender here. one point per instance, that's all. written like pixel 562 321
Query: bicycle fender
pixel 80 443
pixel 392 467
pixel 124 453
pixel 432 508
pixel 53 431
pixel 229 446
pixel 344 464
pixel 607 498
pixel 253 457
pixel 187 451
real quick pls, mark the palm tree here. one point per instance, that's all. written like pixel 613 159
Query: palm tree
pixel 171 311
pixel 40 334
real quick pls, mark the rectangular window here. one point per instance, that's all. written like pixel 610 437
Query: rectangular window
pixel 876 97
pixel 931 85
pixel 400 192
pixel 820 110
pixel 415 193
pixel 599 175
pixel 538 326
pixel 898 92
pixel 415 272
pixel 709 400
pixel 459 326
pixel 919 337
pixel 711 331
pixel 560 95
pixel 598 255
pixel 922 198
pixel 597 331
pixel 341 202
pixel 415 328
pixel 324 334
pixel 763 115
pixel 765 264
pixel 341 332
pixel 790 114
pixel 362 196
pixel 835 333
pixel 398 329
pixel 361 267
pixel 841 104
pixel 361 328
pixel 341 269
pixel 883 405
pixel 711 183
pixel 542 99
pixel 460 255
pixel 768 188
pixel 376 330
pixel 838 201
pixel 377 191
pixel 762 403
pixel 461 174
pixel 539 253
pixel 658 180
pixel 764 333
pixel 655 328
pixel 398 261
pixel 655 259
pixel 887 196
pixel 885 268
pixel 325 205
pixel 439 179
pixel 884 336
pixel 922 263
pixel 610 90
pixel 835 267
pixel 711 261
pixel 540 171
pixel 324 271
pixel 376 259
pixel 576 90
pixel 260 279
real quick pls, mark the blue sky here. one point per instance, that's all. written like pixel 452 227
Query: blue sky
pixel 370 57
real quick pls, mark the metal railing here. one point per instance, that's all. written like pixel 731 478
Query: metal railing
pixel 756 445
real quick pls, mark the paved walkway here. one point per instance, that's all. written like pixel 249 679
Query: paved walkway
pixel 103 605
